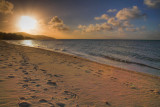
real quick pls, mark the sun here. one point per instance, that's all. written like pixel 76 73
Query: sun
pixel 27 23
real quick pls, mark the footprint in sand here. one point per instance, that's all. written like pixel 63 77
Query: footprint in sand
pixel 3 67
pixel 113 78
pixel 156 91
pixel 72 95
pixel 131 85
pixel 50 75
pixel 27 79
pixel 34 97
pixel 11 76
pixel 100 71
pixel 60 104
pixel 42 70
pixel 25 85
pixel 43 101
pixel 22 98
pixel 38 85
pixel 58 75
pixel 33 82
pixel 107 103
pixel 51 83
pixel 24 104
pixel 98 74
pixel 25 72
pixel 20 67
pixel 1 80
pixel 45 89
pixel 87 71
pixel 9 64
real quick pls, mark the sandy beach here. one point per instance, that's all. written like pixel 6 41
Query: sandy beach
pixel 32 77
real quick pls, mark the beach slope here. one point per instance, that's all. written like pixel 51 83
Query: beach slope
pixel 41 78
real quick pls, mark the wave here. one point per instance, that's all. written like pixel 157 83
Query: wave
pixel 136 55
pixel 125 61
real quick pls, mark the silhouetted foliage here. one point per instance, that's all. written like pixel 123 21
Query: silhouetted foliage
pixel 23 36
pixel 12 36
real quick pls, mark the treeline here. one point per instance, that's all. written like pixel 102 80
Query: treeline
pixel 23 36
pixel 12 36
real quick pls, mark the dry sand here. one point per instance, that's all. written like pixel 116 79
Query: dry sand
pixel 44 78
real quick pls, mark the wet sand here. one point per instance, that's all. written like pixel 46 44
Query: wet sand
pixel 40 78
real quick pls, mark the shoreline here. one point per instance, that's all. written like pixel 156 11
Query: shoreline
pixel 47 78
pixel 71 55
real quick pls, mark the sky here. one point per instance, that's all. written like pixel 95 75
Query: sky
pixel 85 19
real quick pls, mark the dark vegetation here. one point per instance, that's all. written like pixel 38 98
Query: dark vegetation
pixel 22 36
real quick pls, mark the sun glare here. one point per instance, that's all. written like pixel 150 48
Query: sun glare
pixel 27 23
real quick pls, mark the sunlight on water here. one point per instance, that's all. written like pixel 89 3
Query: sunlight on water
pixel 28 42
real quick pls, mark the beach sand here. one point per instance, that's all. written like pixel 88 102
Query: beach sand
pixel 41 78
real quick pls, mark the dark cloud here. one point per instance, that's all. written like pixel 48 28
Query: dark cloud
pixel 57 24
pixel 6 7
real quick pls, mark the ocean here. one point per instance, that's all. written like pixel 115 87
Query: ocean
pixel 136 55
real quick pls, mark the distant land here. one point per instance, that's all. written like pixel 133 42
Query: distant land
pixel 22 36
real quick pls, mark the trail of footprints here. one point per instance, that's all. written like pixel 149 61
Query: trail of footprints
pixel 68 94
pixel 32 84
pixel 52 85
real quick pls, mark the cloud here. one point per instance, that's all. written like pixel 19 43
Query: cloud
pixel 57 24
pixel 129 13
pixel 96 27
pixel 120 22
pixel 120 29
pixel 152 3
pixel 102 17
pixel 6 7
pixel 114 22
pixel 143 27
pixel 127 24
pixel 132 29
pixel 111 10
pixel 135 29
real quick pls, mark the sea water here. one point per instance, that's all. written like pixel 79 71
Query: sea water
pixel 135 55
